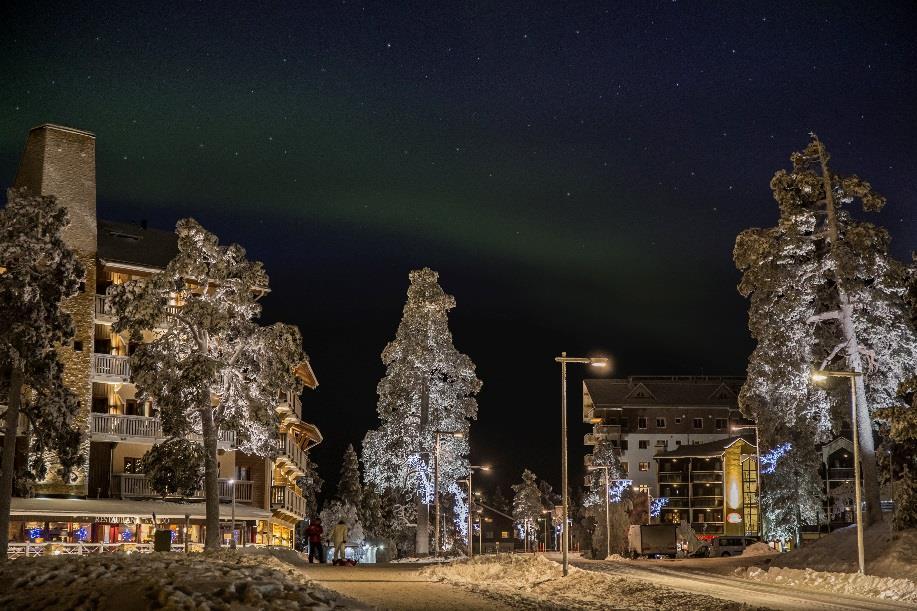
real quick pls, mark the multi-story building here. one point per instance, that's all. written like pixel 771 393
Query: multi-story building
pixel 109 498
pixel 712 485
pixel 644 415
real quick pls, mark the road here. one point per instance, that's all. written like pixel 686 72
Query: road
pixel 689 577
pixel 399 587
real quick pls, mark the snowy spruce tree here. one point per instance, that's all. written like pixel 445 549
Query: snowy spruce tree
pixel 175 467
pixel 824 293
pixel 793 491
pixel 214 370
pixel 428 386
pixel 37 272
pixel 527 507
pixel 311 486
pixel 349 488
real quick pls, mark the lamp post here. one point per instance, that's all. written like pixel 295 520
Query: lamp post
pixel 820 376
pixel 436 529
pixel 737 427
pixel 471 470
pixel 546 519
pixel 232 533
pixel 563 359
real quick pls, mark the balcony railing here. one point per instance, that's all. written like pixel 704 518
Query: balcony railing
pixel 677 502
pixel 290 456
pixel 707 476
pixel 286 499
pixel 707 527
pixel 840 473
pixel 142 429
pixel 672 477
pixel 136 485
pixel 110 367
pixel 707 501
pixel 104 312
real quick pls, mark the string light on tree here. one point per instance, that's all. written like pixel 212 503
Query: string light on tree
pixel 769 459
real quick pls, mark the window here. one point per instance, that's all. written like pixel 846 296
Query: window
pixel 624 466
pixel 504 534
pixel 641 422
pixel 678 421
pixel 488 534
pixel 644 466
pixel 661 443
pixel 678 442
pixel 698 423
pixel 624 445
pixel 77 346
pixel 132 465
pixel 720 423
pixel 643 488
pixel 660 423
pixel 644 444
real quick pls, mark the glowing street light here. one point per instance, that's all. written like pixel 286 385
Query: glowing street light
pixel 819 375
pixel 471 470
pixel 563 359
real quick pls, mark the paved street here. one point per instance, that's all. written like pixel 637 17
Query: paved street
pixel 398 587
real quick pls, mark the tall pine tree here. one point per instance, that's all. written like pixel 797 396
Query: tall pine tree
pixel 37 272
pixel 527 507
pixel 428 386
pixel 824 292
pixel 349 488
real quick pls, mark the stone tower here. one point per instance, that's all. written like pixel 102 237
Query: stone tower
pixel 61 161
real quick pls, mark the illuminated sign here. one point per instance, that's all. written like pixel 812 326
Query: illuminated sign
pixel 734 518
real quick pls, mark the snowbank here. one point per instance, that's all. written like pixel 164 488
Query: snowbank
pixel 424 560
pixel 220 580
pixel 535 582
pixel 758 549
pixel 888 554
pixel 842 583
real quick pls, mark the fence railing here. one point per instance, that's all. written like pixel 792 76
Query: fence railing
pixel 707 476
pixel 109 365
pixel 118 425
pixel 290 453
pixel 27 550
pixel 104 311
pixel 840 473
pixel 136 485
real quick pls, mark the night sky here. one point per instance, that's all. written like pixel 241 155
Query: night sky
pixel 576 172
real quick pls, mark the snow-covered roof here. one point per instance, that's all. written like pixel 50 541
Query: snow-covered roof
pixel 100 510
pixel 136 244
pixel 676 391
pixel 703 450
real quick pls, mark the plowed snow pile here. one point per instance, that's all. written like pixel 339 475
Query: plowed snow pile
pixel 222 580
pixel 535 582
pixel 843 583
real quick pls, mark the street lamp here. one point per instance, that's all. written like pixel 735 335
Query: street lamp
pixel 457 435
pixel 820 376
pixel 471 470
pixel 563 359
pixel 232 534
pixel 737 427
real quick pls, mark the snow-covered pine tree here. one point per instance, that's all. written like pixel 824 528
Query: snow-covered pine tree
pixel 349 488
pixel 175 466
pixel 428 386
pixel 899 456
pixel 311 486
pixel 824 292
pixel 527 507
pixel 214 369
pixel 37 272
pixel 793 492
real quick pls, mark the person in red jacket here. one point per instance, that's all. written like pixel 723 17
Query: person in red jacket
pixel 314 532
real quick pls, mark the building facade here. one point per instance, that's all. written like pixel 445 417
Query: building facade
pixel 645 415
pixel 712 485
pixel 109 500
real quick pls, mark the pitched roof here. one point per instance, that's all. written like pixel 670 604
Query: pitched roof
pixel 136 244
pixel 703 450
pixel 678 391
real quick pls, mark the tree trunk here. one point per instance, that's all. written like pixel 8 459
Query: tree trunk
pixel 422 537
pixel 9 458
pixel 854 362
pixel 211 480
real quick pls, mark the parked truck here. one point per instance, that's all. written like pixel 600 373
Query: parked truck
pixel 652 540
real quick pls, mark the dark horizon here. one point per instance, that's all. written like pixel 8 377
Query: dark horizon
pixel 576 174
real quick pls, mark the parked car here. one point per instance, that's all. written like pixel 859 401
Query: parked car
pixel 726 545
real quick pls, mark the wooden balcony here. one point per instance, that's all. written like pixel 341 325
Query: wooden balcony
pixel 291 459
pixel 136 485
pixel 110 368
pixel 105 314
pixel 841 474
pixel 285 499
pixel 706 476
pixel 139 429
pixel 672 477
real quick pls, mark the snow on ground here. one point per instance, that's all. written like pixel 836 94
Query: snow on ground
pixel 534 582
pixel 888 554
pixel 424 560
pixel 843 583
pixel 758 549
pixel 219 580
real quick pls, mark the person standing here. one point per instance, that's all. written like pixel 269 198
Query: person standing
pixel 314 532
pixel 339 538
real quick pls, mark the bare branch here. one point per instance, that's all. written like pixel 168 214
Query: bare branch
pixel 817 318
pixel 834 352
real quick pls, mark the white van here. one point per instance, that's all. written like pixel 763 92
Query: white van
pixel 726 545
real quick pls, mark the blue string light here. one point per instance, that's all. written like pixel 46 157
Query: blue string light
pixel 656 506
pixel 769 459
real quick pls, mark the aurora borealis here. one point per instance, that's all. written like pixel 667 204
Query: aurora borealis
pixel 577 172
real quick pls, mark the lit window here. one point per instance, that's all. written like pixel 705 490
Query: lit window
pixel 643 488
pixel 644 466
pixel 504 534
pixel 661 443
pixel 624 467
